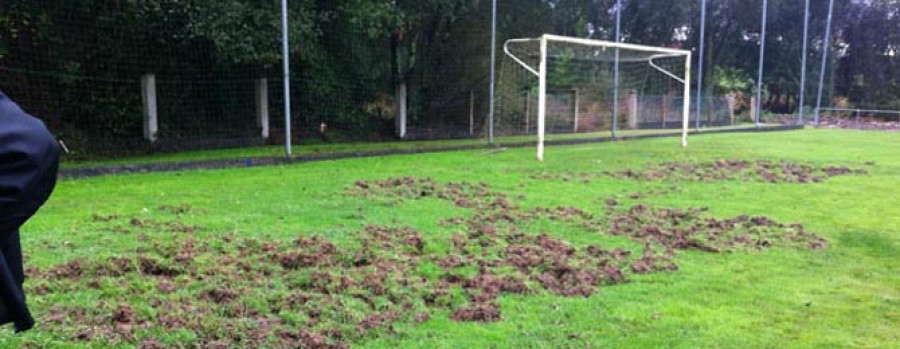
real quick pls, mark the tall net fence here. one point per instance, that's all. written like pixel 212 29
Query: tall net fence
pixel 859 119
pixel 91 69
pixel 120 78
pixel 124 78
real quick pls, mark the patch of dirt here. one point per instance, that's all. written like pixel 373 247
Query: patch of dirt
pixel 154 267
pixel 719 170
pixel 673 229
pixel 103 218
pixel 133 224
pixel 575 177
pixel 309 292
pixel 480 312
pixel 736 170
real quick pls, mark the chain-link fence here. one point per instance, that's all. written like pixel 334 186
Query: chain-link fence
pixel 124 78
pixel 858 119
pixel 121 78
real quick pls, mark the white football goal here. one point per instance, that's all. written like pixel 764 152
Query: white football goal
pixel 572 85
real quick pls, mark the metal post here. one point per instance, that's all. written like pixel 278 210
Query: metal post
pixel 687 101
pixel 826 46
pixel 858 126
pixel 493 68
pixel 615 111
pixel 803 70
pixel 762 59
pixel 287 78
pixel 700 61
pixel 542 98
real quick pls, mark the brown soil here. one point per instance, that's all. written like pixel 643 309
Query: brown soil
pixel 235 292
pixel 719 170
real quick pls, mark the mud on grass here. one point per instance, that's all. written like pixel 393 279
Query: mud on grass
pixel 719 170
pixel 227 291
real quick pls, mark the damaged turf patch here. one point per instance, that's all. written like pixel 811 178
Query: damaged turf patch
pixel 719 170
pixel 737 170
pixel 493 240
pixel 311 292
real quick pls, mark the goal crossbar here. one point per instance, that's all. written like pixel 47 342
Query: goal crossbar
pixel 661 52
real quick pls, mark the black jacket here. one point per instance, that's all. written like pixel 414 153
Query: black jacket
pixel 29 159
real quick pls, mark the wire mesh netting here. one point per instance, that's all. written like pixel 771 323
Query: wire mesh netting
pixel 373 70
pixel 85 67
pixel 213 69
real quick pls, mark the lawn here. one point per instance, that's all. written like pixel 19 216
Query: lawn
pixel 213 258
pixel 316 147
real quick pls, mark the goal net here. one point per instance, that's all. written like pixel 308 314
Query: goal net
pixel 559 86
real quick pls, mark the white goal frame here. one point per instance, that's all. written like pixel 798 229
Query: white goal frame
pixel 541 72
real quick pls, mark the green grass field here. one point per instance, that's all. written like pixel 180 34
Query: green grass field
pixel 847 295
pixel 316 147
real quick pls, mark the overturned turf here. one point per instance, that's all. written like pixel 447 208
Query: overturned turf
pixel 309 292
pixel 719 170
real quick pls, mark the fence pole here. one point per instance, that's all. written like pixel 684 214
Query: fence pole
pixel 287 78
pixel 762 60
pixel 858 126
pixel 615 112
pixel 803 69
pixel 700 61
pixel 826 46
pixel 493 70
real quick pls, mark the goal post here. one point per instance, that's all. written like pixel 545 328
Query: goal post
pixel 575 81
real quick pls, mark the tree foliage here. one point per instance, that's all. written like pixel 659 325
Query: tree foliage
pixel 348 55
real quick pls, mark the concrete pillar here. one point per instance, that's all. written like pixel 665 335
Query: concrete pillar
pixel 471 112
pixel 577 108
pixel 148 97
pixel 401 110
pixel 261 95
pixel 527 112
pixel 631 103
pixel 731 100
pixel 664 109
pixel 498 112
pixel 753 111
